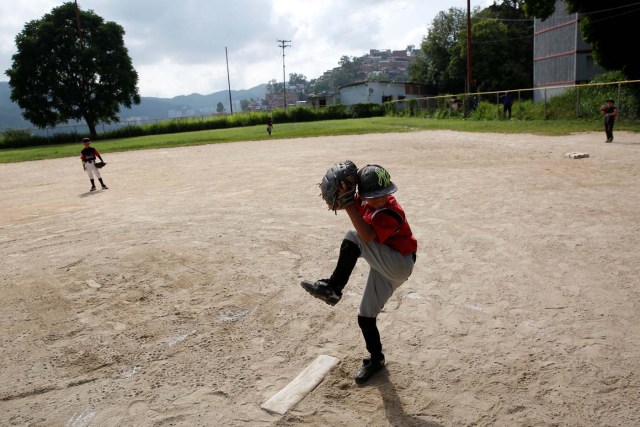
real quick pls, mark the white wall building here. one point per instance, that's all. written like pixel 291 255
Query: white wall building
pixel 370 93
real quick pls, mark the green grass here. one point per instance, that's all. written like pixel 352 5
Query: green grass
pixel 311 129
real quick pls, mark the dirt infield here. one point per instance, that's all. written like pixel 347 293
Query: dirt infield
pixel 173 298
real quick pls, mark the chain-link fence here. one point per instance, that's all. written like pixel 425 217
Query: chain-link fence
pixel 555 102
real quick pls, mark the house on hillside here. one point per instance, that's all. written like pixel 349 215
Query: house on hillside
pixel 394 64
pixel 277 99
pixel 560 56
pixel 369 93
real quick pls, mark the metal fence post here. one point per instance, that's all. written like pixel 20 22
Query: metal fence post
pixel 619 100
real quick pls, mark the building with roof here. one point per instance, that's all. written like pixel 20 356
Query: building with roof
pixel 369 93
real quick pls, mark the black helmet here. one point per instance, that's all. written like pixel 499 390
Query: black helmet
pixel 374 181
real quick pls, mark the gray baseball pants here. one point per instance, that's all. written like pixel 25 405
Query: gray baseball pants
pixel 388 270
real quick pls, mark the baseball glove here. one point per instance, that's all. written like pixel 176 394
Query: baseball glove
pixel 100 164
pixel 335 194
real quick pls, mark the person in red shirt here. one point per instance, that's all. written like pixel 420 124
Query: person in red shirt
pixel 382 237
pixel 88 157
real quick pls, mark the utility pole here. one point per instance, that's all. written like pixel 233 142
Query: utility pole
pixel 468 46
pixel 468 83
pixel 283 44
pixel 228 79
pixel 78 23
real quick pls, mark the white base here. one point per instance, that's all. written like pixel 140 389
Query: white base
pixel 301 385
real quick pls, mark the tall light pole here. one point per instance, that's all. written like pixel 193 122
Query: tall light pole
pixel 283 44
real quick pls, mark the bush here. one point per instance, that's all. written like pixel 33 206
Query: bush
pixel 485 111
pixel 585 102
pixel 412 108
pixel 390 109
pixel 529 110
pixel 366 110
pixel 14 138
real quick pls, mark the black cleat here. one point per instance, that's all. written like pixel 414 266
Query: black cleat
pixel 368 368
pixel 323 290
pixel 92 189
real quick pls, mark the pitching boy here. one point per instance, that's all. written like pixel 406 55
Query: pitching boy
pixel 382 237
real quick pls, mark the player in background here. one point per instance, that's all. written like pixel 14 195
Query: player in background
pixel 88 157
pixel 269 125
pixel 610 113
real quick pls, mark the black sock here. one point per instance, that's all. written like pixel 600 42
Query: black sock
pixel 349 254
pixel 93 184
pixel 371 337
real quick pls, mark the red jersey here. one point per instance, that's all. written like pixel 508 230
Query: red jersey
pixel 390 225
pixel 89 154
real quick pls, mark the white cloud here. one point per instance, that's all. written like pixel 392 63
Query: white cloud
pixel 179 47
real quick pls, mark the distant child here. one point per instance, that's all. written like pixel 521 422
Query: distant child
pixel 269 125
pixel 88 156
pixel 610 113
pixel 382 237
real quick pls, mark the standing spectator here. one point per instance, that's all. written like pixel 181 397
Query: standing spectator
pixel 455 104
pixel 507 103
pixel 474 103
pixel 610 113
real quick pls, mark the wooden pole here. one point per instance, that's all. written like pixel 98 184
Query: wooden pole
pixel 228 80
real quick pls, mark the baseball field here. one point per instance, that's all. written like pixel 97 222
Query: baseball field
pixel 173 297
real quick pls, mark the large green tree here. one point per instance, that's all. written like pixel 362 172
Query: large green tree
pixel 501 50
pixel 72 67
pixel 609 27
pixel 349 71
pixel 297 79
pixel 273 86
pixel 431 67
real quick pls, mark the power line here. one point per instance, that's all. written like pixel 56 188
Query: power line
pixel 579 14
pixel 593 21
pixel 609 10
pixel 503 19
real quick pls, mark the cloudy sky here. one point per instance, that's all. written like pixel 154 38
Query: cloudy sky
pixel 178 47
